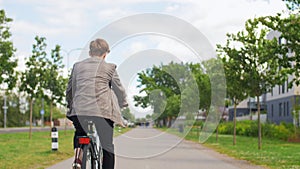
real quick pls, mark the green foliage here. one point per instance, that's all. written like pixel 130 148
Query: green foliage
pixel 203 84
pixel 166 87
pixel 289 28
pixel 250 128
pixel 15 118
pixel 7 60
pixel 259 58
pixel 235 83
pixel 34 76
pixel 259 62
pixel 215 74
pixel 128 115
pixel 54 82
pixel 159 86
pixel 43 78
pixel 37 106
pixel 296 110
pixel 292 5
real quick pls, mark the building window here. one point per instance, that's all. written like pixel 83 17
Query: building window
pixel 288 108
pixel 272 110
pixel 279 90
pixel 280 109
pixel 282 40
pixel 279 41
pixel 287 85
pixel 284 108
pixel 283 88
pixel 272 92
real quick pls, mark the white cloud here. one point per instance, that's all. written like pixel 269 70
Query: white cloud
pixel 176 48
pixel 136 47
pixel 215 18
pixel 172 7
pixel 23 27
pixel 112 13
pixel 64 14
pixel 72 22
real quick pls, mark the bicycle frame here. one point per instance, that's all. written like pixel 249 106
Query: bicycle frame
pixel 91 147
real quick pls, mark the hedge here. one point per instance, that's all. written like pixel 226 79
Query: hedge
pixel 250 128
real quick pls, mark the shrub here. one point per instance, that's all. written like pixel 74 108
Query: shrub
pixel 250 128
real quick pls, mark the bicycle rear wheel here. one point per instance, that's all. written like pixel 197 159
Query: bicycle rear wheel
pixel 87 160
pixel 99 151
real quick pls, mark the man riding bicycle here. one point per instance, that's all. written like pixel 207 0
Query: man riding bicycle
pixel 95 93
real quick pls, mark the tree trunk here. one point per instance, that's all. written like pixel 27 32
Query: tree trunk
pixel 217 130
pixel 198 128
pixel 51 114
pixel 30 118
pixel 164 122
pixel 259 124
pixel 65 126
pixel 217 133
pixel 169 121
pixel 234 124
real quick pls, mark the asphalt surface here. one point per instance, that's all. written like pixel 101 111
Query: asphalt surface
pixel 26 129
pixel 146 148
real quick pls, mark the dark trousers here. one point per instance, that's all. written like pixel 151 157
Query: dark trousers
pixel 104 128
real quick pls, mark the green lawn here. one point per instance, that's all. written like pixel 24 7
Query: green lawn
pixel 18 152
pixel 275 154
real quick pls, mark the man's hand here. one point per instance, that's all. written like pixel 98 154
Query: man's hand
pixel 125 105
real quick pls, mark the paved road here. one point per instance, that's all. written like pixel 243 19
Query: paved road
pixel 143 148
pixel 26 129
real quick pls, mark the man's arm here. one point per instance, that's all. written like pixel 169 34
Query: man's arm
pixel 119 90
pixel 69 92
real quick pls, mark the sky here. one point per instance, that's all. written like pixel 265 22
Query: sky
pixel 72 24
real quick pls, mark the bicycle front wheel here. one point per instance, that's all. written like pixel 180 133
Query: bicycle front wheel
pixel 87 160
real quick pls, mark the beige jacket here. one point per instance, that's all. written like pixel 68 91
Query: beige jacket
pixel 94 89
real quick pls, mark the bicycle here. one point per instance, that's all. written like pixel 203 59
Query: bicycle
pixel 91 147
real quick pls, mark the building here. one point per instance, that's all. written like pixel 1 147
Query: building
pixel 247 108
pixel 281 100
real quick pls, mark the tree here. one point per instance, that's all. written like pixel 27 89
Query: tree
pixel 235 84
pixel 34 76
pixel 293 5
pixel 216 86
pixel 296 112
pixel 128 115
pixel 165 88
pixel 8 62
pixel 14 118
pixel 289 28
pixel 260 60
pixel 54 83
pixel 203 83
pixel 158 85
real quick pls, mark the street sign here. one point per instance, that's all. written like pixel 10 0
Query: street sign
pixel 42 112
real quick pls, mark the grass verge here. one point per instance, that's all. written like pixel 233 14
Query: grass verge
pixel 18 152
pixel 275 154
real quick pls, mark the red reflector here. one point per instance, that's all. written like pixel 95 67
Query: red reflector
pixel 84 140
